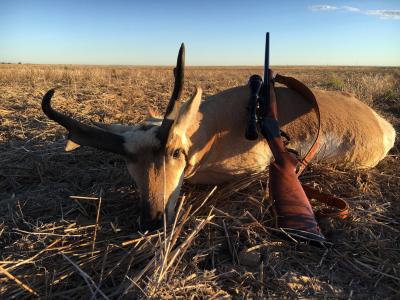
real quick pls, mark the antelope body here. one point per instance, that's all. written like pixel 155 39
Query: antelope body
pixel 203 141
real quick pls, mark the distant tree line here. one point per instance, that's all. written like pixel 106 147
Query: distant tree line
pixel 10 63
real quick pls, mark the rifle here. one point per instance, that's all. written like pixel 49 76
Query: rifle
pixel 293 212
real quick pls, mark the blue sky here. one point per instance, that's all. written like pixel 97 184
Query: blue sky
pixel 308 32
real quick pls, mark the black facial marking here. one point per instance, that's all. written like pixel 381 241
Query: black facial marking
pixel 132 158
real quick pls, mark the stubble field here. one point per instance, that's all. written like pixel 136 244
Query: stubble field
pixel 68 221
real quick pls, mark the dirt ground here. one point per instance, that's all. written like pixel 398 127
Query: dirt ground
pixel 68 221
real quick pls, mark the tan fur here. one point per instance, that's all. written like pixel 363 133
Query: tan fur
pixel 389 134
pixel 211 135
pixel 352 133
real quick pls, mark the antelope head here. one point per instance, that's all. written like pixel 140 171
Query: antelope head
pixel 156 151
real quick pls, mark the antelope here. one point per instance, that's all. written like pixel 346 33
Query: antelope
pixel 203 141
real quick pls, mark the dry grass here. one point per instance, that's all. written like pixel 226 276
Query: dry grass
pixel 68 220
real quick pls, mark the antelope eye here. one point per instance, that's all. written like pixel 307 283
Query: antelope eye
pixel 176 153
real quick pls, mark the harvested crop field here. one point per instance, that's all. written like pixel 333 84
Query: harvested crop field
pixel 68 220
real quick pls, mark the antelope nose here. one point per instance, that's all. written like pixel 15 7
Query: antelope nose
pixel 151 223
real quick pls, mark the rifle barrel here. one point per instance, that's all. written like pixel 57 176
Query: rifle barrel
pixel 266 72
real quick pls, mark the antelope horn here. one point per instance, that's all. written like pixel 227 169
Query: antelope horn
pixel 179 72
pixel 82 134
pixel 169 116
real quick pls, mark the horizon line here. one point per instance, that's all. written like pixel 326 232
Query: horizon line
pixel 196 66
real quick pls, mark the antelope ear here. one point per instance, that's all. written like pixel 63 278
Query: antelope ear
pixel 187 113
pixel 71 145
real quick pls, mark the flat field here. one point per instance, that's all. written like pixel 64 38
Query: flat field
pixel 68 221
